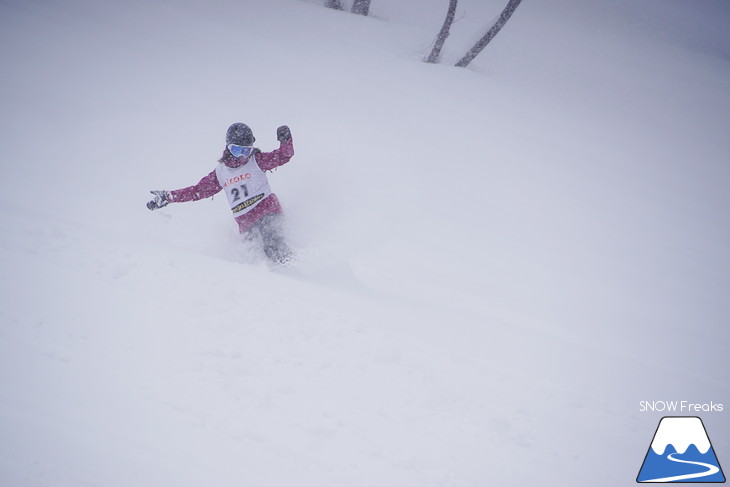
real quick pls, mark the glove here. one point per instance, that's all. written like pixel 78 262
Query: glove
pixel 162 199
pixel 283 133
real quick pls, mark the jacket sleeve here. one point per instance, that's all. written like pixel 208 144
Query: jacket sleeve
pixel 278 157
pixel 208 186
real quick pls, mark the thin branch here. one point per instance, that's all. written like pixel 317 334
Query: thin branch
pixel 482 43
pixel 443 34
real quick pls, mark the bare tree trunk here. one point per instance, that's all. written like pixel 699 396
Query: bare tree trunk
pixel 335 4
pixel 481 44
pixel 443 34
pixel 361 7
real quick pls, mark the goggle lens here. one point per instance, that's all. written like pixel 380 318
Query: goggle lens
pixel 240 150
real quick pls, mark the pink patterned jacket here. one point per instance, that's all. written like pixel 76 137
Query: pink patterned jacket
pixel 209 185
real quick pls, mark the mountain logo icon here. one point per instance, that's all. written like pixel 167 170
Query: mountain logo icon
pixel 681 452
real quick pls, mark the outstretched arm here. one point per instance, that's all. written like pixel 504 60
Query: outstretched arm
pixel 208 186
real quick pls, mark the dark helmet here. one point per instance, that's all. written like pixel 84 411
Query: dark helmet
pixel 240 134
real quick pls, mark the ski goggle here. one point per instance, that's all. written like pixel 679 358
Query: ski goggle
pixel 240 150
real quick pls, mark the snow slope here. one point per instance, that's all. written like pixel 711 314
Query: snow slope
pixel 497 264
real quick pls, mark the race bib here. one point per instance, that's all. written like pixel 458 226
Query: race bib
pixel 245 186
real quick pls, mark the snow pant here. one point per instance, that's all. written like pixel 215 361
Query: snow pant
pixel 270 227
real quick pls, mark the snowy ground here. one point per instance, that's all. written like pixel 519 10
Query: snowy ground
pixel 496 264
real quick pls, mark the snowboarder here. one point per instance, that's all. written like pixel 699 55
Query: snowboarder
pixel 241 173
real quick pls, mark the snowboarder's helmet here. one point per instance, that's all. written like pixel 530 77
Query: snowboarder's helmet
pixel 240 134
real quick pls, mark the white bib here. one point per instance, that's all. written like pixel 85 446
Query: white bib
pixel 245 186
